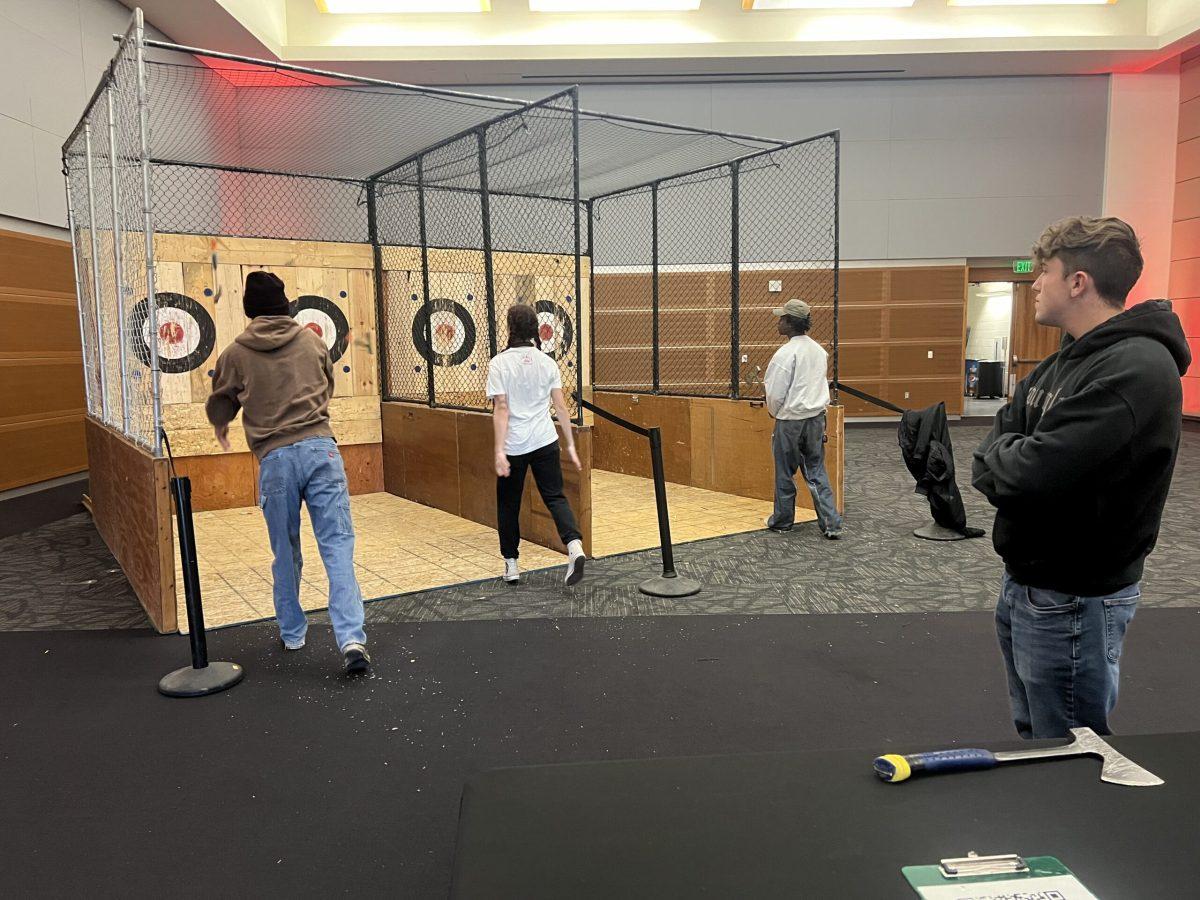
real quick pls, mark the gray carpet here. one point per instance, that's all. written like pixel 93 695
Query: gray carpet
pixel 877 567
pixel 62 576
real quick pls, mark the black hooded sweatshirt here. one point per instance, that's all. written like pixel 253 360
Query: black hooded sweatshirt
pixel 1079 463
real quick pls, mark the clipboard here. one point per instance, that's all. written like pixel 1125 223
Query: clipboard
pixel 1004 877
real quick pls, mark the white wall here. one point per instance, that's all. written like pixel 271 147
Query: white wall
pixel 1139 172
pixel 931 169
pixel 52 54
pixel 989 316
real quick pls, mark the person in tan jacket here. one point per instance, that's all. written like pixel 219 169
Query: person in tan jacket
pixel 279 374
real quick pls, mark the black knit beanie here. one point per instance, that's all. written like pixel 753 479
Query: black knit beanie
pixel 264 295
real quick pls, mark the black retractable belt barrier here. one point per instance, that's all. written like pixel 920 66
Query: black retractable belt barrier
pixel 669 583
pixel 201 677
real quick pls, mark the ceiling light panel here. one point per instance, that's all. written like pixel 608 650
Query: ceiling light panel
pixel 1031 2
pixel 602 6
pixel 386 7
pixel 826 4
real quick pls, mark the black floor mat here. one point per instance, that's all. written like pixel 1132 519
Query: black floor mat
pixel 303 782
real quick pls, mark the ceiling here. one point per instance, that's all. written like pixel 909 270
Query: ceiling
pixel 720 41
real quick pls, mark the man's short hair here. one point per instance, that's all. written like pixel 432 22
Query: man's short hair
pixel 1106 248
pixel 798 324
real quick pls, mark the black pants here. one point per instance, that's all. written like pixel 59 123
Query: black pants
pixel 547 474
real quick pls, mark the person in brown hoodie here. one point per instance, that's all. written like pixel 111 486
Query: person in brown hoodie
pixel 280 375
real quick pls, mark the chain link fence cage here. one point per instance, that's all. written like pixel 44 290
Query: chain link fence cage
pixel 689 268
pixel 465 204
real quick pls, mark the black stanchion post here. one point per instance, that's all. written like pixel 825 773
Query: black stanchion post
pixel 668 584
pixel 201 677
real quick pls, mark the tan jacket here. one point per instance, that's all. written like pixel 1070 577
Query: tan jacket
pixel 279 373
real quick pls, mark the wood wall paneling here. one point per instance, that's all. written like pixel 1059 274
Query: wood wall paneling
pixel 446 464
pixel 132 509
pixel 42 449
pixel 43 403
pixel 228 481
pixel 364 467
pixel 716 444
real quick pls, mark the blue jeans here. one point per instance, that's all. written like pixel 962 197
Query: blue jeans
pixel 311 470
pixel 1063 655
pixel 800 444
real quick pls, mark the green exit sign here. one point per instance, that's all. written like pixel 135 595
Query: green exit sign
pixel 1022 266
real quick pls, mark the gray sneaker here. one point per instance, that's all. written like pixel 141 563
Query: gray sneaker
pixel 833 534
pixel 357 659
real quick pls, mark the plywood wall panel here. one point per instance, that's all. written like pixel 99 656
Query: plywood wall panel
pixel 132 510
pixel 925 323
pixel 919 285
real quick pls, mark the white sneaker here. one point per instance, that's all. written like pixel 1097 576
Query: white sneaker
pixel 511 574
pixel 575 561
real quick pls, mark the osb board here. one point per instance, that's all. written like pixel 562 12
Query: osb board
pixel 443 458
pixel 132 509
pixel 230 481
pixel 262 251
pixel 41 449
pixel 718 445
pixel 227 481
pixel 340 273
pixel 355 420
pixel 458 276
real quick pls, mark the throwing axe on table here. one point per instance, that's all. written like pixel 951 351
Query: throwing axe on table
pixel 1115 768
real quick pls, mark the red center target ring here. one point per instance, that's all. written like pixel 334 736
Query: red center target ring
pixel 450 328
pixel 323 318
pixel 185 335
pixel 555 330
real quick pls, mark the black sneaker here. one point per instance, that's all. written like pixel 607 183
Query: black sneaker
pixel 357 659
pixel 834 534
pixel 778 529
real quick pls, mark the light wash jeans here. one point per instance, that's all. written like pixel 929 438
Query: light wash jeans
pixel 800 444
pixel 311 470
pixel 1063 656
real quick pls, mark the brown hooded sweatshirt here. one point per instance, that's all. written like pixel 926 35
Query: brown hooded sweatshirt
pixel 280 374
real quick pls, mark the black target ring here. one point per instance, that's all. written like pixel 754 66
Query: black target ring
pixel 566 333
pixel 322 306
pixel 421 321
pixel 206 332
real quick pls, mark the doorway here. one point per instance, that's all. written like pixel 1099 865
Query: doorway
pixel 990 308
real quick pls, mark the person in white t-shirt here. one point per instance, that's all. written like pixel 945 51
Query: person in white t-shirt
pixel 522 383
pixel 797 393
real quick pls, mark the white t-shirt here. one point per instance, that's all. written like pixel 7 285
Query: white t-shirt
pixel 795 383
pixel 526 376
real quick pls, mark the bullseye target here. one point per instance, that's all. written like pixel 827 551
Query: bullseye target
pixel 555 330
pixel 186 333
pixel 452 331
pixel 323 318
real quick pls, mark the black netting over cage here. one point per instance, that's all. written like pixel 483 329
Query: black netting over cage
pixel 688 268
pixel 405 221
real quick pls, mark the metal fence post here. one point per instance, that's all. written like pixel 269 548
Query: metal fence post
pixel 83 337
pixel 654 283
pixel 97 310
pixel 591 255
pixel 735 293
pixel 118 236
pixel 579 331
pixel 837 178
pixel 485 213
pixel 425 276
pixel 139 37
pixel 381 313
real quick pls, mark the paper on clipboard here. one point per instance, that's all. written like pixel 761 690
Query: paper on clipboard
pixel 1054 887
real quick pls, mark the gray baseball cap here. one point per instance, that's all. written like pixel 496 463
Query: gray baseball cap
pixel 794 307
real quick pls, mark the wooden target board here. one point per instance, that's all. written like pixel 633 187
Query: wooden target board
pixel 199 290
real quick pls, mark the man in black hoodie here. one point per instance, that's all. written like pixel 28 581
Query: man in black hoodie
pixel 1078 466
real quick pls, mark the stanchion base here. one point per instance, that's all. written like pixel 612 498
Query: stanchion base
pixel 664 586
pixel 935 532
pixel 189 682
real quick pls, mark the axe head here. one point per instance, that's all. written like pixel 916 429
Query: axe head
pixel 1115 768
